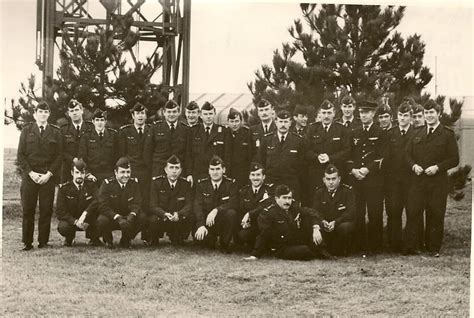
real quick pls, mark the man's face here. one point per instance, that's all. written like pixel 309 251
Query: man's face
pixel 99 123
pixel 192 116
pixel 283 125
pixel 348 110
pixel 78 175
pixel 173 171
pixel 216 172
pixel 265 113
pixel 234 123
pixel 404 119
pixel 301 120
pixel 139 117
pixel 431 116
pixel 171 114
pixel 332 181
pixel 257 178
pixel 42 115
pixel 327 115
pixel 366 116
pixel 122 174
pixel 207 116
pixel 284 201
pixel 385 120
pixel 418 119
pixel 75 113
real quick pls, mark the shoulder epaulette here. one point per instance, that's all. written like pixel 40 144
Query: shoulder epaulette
pixel 393 127
pixel 347 186
pixel 338 123
pixel 106 181
pixel 314 123
pixel 111 129
pixel 134 179
pixel 88 122
pixel 295 134
pixel 158 121
pixel 448 128
pixel 64 125
pixel 269 184
pixel 269 207
pixel 183 178
pixel 203 179
pixel 125 126
pixel 63 184
pixel 229 179
pixel 268 134
pixel 319 187
pixel 245 127
pixel 158 177
pixel 54 126
pixel 245 187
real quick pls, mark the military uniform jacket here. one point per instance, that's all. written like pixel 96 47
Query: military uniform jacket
pixel 114 200
pixel 71 202
pixel 339 207
pixel 71 139
pixel 279 228
pixel 300 133
pixel 131 145
pixel 440 148
pixel 258 132
pixel 201 148
pixel 334 143
pixel 226 198
pixel 368 150
pixel 40 154
pixel 238 152
pixel 394 163
pixel 282 160
pixel 252 203
pixel 165 200
pixel 100 155
pixel 160 144
pixel 355 123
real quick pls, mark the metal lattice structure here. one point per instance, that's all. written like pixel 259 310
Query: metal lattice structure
pixel 165 24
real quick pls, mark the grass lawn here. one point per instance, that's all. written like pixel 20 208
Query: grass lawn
pixel 185 281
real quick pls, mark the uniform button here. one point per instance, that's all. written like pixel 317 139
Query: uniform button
pixel 362 163
pixel 363 150
pixel 283 236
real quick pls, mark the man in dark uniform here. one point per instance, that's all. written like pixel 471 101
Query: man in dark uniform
pixel 327 142
pixel 191 114
pixel 39 158
pixel 204 141
pixel 282 154
pixel 348 119
pixel 397 175
pixel 266 114
pixel 367 153
pixel 430 153
pixel 252 199
pixel 288 230
pixel 238 149
pixel 119 205
pixel 165 138
pixel 72 133
pixel 418 116
pixel 99 148
pixel 384 117
pixel 215 207
pixel 300 121
pixel 170 204
pixel 335 204
pixel 76 206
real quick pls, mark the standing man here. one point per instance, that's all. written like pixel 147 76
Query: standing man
pixel 267 125
pixel 282 154
pixel 191 114
pixel 204 141
pixel 171 204
pixel 327 142
pixel 99 148
pixel 418 116
pixel 430 153
pixel 367 153
pixel 39 158
pixel 335 205
pixel 300 119
pixel 215 207
pixel 119 205
pixel 76 206
pixel 252 199
pixel 238 149
pixel 348 119
pixel 384 116
pixel 72 133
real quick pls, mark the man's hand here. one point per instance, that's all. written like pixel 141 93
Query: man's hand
pixel 357 174
pixel 331 226
pixel 44 178
pixel 417 169
pixel 245 221
pixel 91 177
pixel 364 171
pixel 83 217
pixel 323 158
pixel 131 217
pixel 317 237
pixel 174 217
pixel 432 170
pixel 168 216
pixel 211 217
pixel 201 233
pixel 250 258
pixel 190 179
pixel 34 176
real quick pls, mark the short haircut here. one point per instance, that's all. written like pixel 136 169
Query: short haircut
pixel 42 105
pixel 431 104
pixel 216 160
pixel 417 108
pixel 282 189
pixel 405 107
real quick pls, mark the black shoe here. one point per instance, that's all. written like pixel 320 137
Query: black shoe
pixel 434 254
pixel 225 249
pixel 410 251
pixel 109 245
pixel 95 242
pixel 125 243
pixel 68 241
pixel 43 245
pixel 324 254
pixel 27 247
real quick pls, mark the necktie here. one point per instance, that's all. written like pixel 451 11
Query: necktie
pixel 80 187
pixel 172 187
pixel 78 129
pixel 140 132
pixel 41 130
pixel 266 129
pixel 430 131
pixel 366 128
pixel 403 131
pixel 331 193
pixel 326 128
pixel 101 135
pixel 256 191
pixel 298 131
pixel 215 187
pixel 208 130
pixel 347 123
pixel 282 139
pixel 172 128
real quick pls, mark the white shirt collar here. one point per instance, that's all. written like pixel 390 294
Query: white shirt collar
pixel 406 129
pixel 216 183
pixel 100 131
pixel 435 126
pixel 268 125
pixel 172 184
pixel 324 125
pixel 46 124
pixel 77 186
pixel 349 120
pixel 121 184
pixel 210 126
pixel 253 188
pixel 368 126
pixel 279 135
pixel 174 124
pixel 142 127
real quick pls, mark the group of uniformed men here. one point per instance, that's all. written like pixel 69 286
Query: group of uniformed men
pixel 283 186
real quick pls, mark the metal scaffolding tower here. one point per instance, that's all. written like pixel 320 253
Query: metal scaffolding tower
pixel 164 23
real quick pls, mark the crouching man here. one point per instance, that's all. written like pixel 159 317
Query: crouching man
pixel 171 203
pixel 119 205
pixel 215 207
pixel 288 230
pixel 335 204
pixel 76 206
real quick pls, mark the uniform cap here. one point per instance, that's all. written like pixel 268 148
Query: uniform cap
pixel 431 104
pixel 43 105
pixel 207 106
pixel 123 162
pixel 254 166
pixel 171 104
pixel 326 105
pixel 215 161
pixel 282 189
pixel 300 110
pixel 405 107
pixel 348 100
pixel 192 106
pixel 263 103
pixel 234 113
pixel 138 107
pixel 73 103
pixel 173 160
pixel 417 108
pixel 330 169
pixel 79 164
pixel 99 114
pixel 384 109
pixel 369 105
pixel 283 114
